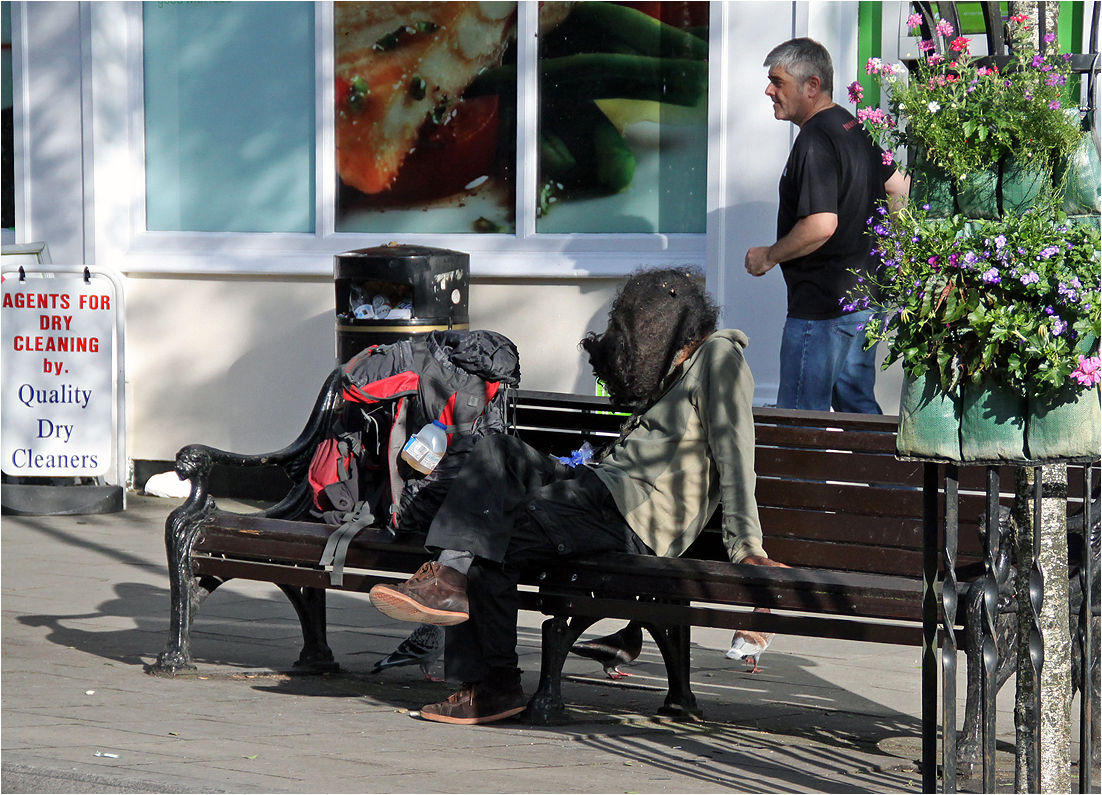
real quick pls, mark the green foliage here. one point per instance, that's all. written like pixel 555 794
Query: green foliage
pixel 1016 300
pixel 967 118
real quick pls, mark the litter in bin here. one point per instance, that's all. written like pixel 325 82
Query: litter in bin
pixel 380 309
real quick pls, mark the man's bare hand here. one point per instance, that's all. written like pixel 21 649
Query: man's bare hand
pixel 758 261
pixel 758 560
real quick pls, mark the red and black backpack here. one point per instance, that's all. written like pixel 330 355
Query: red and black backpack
pixel 390 391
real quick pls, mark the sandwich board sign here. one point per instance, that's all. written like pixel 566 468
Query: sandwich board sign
pixel 61 392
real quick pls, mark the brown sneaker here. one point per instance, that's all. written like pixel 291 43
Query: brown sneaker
pixel 477 703
pixel 434 595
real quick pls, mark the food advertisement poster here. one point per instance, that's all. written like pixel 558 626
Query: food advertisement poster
pixel 426 117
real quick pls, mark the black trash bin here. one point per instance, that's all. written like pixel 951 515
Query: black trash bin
pixel 391 292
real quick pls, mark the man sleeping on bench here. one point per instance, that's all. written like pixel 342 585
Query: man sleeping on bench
pixel 688 446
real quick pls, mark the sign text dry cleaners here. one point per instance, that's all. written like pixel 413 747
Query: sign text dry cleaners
pixel 57 376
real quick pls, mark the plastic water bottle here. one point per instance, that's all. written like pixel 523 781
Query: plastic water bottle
pixel 425 448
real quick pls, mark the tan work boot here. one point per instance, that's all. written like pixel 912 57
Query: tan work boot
pixel 434 595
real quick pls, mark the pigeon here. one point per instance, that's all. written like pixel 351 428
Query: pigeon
pixel 749 645
pixel 423 647
pixel 613 650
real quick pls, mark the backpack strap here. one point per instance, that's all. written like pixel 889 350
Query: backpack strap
pixel 463 408
pixel 336 547
pixel 398 436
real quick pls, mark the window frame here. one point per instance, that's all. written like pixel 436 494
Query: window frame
pixel 120 183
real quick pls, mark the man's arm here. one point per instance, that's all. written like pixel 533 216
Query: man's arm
pixel 898 187
pixel 809 233
pixel 725 407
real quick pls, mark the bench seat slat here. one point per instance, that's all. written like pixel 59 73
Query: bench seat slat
pixel 786 624
pixel 869 468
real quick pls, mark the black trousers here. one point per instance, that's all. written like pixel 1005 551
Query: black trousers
pixel 517 509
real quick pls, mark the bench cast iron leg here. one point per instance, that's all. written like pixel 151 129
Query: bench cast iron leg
pixel 309 603
pixel 673 642
pixel 546 707
pixel 187 592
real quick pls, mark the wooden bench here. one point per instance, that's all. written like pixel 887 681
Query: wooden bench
pixel 834 501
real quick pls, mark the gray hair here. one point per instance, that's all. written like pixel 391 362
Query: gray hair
pixel 803 58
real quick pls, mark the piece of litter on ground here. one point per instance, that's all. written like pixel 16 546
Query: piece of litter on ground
pixel 89 692
pixel 109 756
pixel 254 756
pixel 414 713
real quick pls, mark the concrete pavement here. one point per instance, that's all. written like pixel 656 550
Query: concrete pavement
pixel 85 606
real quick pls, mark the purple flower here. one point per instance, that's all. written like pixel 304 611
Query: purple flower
pixel 970 258
pixel 1000 241
pixel 1069 292
pixel 1054 105
pixel 1048 253
pixel 1058 325
pixel 991 276
pixel 1049 38
pixel 1030 278
pixel 1038 61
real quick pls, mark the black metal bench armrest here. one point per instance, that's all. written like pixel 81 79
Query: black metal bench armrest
pixel 195 461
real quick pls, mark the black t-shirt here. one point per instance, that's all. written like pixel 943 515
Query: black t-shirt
pixel 834 167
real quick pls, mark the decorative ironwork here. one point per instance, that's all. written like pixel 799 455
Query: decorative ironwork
pixel 948 635
pixel 989 645
pixel 1088 662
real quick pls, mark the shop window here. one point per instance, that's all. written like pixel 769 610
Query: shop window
pixel 422 145
pixel 229 116
pixel 426 117
pixel 623 131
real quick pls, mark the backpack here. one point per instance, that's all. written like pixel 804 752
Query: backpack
pixel 390 392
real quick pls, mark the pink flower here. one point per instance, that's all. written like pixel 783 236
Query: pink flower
pixel 873 66
pixel 926 45
pixel 888 158
pixel 960 44
pixel 914 21
pixel 1089 371
pixel 856 93
pixel 934 59
pixel 944 28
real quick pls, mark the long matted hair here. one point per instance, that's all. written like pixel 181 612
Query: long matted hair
pixel 656 314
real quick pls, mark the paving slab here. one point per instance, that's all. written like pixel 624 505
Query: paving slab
pixel 85 607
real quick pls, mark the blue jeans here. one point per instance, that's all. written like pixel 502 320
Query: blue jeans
pixel 824 365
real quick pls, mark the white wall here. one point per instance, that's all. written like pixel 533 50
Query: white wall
pixel 237 363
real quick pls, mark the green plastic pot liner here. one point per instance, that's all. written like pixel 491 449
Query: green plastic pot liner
pixel 992 423
pixel 989 423
pixel 1065 425
pixel 929 420
pixel 981 195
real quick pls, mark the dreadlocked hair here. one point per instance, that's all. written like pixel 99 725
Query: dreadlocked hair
pixel 656 314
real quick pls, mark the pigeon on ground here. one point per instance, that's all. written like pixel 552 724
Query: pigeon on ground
pixel 749 645
pixel 619 648
pixel 423 647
